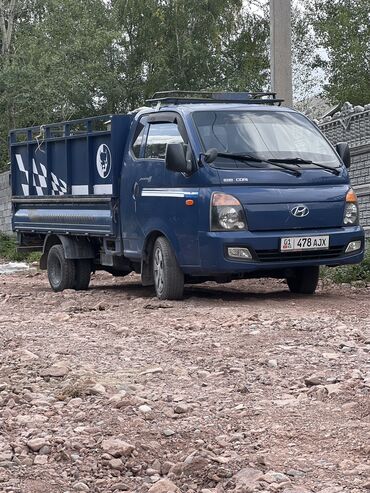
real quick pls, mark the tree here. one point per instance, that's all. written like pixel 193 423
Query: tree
pixel 342 28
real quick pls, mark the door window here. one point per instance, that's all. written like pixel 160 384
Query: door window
pixel 159 135
pixel 136 146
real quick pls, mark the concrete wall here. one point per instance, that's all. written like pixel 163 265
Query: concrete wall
pixel 5 205
pixel 352 125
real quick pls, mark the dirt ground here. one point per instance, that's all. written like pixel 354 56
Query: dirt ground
pixel 240 387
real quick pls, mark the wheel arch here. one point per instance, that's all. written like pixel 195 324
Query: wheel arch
pixel 147 278
pixel 74 248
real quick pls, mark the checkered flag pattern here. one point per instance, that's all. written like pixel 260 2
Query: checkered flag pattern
pixel 23 175
pixel 59 187
pixel 39 179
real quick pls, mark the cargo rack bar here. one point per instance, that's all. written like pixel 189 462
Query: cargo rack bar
pixel 189 97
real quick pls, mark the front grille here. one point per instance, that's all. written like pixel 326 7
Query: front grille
pixel 277 256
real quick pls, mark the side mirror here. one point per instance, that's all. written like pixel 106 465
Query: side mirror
pixel 210 155
pixel 176 158
pixel 342 149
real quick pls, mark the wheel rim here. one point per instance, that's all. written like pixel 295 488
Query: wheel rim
pixel 158 270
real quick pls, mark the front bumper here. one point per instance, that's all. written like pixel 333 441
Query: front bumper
pixel 265 248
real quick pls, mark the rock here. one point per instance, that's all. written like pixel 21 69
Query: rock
pixel 81 486
pixel 116 464
pixel 40 460
pixel 97 389
pixel 181 408
pixel 295 473
pixel 152 371
pixel 117 448
pixel 332 489
pixel 296 489
pixel 248 477
pixel 58 370
pixel 120 487
pixel 275 477
pixel 313 380
pixel 145 409
pixel 164 486
pixel 35 444
pixel 168 432
pixel 272 363
pixel 25 355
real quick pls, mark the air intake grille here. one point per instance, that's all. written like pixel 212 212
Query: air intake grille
pixel 277 256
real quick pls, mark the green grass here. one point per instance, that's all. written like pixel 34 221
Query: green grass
pixel 350 273
pixel 8 250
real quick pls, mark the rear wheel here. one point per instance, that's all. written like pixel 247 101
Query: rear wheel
pixel 304 280
pixel 61 271
pixel 168 277
pixel 82 274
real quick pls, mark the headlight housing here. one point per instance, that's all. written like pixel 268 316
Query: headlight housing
pixel 351 214
pixel 227 213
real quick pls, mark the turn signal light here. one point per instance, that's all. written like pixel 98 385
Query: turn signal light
pixel 351 196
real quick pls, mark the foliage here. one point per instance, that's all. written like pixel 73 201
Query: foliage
pixel 8 250
pixel 342 28
pixel 350 273
pixel 73 58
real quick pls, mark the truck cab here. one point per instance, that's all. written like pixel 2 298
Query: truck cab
pixel 213 186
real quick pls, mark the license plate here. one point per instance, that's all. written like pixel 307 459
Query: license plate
pixel 299 243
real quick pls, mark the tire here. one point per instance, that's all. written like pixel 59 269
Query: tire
pixel 82 274
pixel 61 271
pixel 168 277
pixel 305 280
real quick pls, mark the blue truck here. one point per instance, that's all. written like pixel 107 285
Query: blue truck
pixel 192 187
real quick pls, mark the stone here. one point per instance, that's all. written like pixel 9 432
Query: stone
pixel 152 371
pixel 181 408
pixel 145 409
pixel 117 448
pixel 35 444
pixel 40 460
pixel 80 486
pixel 97 389
pixel 313 380
pixel 168 432
pixel 116 464
pixel 248 477
pixel 272 363
pixel 275 477
pixel 164 486
pixel 58 370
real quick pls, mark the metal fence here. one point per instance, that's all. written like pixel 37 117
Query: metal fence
pixel 352 125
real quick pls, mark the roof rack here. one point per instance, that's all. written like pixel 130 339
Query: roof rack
pixel 188 97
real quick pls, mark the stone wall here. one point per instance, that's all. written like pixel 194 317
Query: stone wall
pixel 5 204
pixel 352 125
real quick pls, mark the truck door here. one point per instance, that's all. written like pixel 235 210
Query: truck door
pixel 160 195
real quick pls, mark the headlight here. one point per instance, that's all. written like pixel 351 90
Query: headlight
pixel 227 213
pixel 351 209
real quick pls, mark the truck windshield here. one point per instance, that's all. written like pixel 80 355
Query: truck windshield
pixel 264 135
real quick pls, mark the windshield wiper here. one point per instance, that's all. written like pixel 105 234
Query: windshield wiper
pixel 298 160
pixel 212 154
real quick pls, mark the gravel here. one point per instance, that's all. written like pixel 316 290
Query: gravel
pixel 242 388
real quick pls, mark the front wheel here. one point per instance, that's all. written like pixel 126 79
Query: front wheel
pixel 304 280
pixel 168 277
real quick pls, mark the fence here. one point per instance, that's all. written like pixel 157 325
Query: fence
pixel 5 206
pixel 352 125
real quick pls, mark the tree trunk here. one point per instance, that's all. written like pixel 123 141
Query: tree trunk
pixel 7 15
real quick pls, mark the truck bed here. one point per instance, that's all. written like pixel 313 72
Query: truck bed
pixel 65 176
